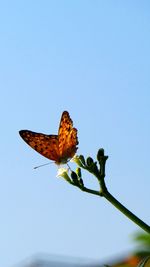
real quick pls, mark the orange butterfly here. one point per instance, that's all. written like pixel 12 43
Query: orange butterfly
pixel 60 148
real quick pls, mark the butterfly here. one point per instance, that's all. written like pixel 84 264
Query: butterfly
pixel 59 148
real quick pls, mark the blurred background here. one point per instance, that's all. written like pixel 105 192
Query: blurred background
pixel 91 58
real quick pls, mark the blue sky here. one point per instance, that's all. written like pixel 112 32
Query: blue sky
pixel 91 58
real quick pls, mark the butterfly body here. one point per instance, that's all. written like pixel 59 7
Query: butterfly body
pixel 59 148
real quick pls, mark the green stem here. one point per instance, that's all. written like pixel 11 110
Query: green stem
pixel 100 175
pixel 85 189
pixel 123 209
pixel 94 192
pixel 126 212
pixel 104 192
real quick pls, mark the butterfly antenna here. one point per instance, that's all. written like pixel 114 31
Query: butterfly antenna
pixel 42 165
pixel 69 167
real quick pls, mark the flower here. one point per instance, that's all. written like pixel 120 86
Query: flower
pixel 63 172
pixel 77 160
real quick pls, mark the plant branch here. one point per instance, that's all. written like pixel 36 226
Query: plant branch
pixel 119 206
pixel 126 212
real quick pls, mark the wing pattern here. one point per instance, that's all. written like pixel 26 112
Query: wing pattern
pixel 59 148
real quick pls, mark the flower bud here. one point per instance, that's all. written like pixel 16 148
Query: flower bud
pixel 77 160
pixel 62 172
pixel 78 172
pixel 101 156
pixel 89 161
pixel 81 157
pixel 100 153
pixel 74 178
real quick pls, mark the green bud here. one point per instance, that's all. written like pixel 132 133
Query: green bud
pixel 102 162
pixel 81 157
pixel 74 178
pixel 78 172
pixel 89 161
pixel 101 156
pixel 100 153
pixel 77 160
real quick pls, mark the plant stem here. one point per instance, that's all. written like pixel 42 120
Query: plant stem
pixel 104 193
pixel 100 175
pixel 85 189
pixel 90 191
pixel 123 209
pixel 126 212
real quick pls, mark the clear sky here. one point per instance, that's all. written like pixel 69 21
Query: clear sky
pixel 91 58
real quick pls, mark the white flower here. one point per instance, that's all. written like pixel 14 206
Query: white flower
pixel 75 158
pixel 63 172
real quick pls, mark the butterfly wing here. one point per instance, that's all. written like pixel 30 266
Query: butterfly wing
pixel 46 145
pixel 67 138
